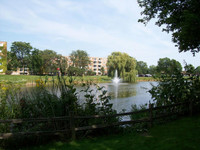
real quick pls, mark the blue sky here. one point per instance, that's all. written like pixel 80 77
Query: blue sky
pixel 99 27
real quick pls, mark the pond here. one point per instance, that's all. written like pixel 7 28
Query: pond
pixel 124 95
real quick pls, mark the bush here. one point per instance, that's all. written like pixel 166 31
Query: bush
pixel 58 99
pixel 176 88
pixel 8 72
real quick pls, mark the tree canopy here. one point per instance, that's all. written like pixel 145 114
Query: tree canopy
pixel 181 17
pixel 80 59
pixel 168 66
pixel 124 64
pixel 142 67
pixel 20 52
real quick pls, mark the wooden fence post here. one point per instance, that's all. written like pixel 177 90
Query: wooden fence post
pixel 191 107
pixel 150 115
pixel 72 125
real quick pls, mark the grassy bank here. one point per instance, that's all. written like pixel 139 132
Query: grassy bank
pixel 182 134
pixel 24 79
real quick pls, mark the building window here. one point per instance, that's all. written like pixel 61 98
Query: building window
pixel 21 69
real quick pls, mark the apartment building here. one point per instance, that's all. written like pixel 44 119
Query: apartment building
pixel 3 57
pixel 96 64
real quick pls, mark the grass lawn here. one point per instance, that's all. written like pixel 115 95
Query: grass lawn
pixel 182 134
pixel 23 79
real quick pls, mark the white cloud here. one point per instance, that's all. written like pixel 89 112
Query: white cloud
pixel 108 24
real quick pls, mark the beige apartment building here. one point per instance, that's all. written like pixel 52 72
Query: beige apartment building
pixel 96 64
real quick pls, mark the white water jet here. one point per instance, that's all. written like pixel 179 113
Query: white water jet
pixel 116 78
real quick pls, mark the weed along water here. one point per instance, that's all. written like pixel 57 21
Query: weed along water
pixel 124 95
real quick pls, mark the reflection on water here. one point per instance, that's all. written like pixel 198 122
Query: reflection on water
pixel 124 95
pixel 120 90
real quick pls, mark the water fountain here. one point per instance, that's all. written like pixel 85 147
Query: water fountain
pixel 116 79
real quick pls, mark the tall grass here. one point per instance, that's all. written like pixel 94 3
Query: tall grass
pixel 58 98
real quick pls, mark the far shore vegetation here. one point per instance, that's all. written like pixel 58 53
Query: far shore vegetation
pixel 31 79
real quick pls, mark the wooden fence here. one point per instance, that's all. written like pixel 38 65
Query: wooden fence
pixel 151 116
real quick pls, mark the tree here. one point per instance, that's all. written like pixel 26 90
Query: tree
pixel 21 52
pixel 36 62
pixel 181 17
pixel 80 59
pixel 197 70
pixel 142 67
pixel 12 62
pixel 124 64
pixel 62 63
pixel 49 61
pixel 102 70
pixel 152 70
pixel 189 69
pixel 167 66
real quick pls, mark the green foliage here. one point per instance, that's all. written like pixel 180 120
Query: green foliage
pixel 124 64
pixel 20 52
pixel 75 71
pixel 197 70
pixel 168 66
pixel 3 59
pixel 142 67
pixel 49 61
pixel 152 70
pixel 176 88
pixel 140 127
pixel 54 100
pixel 80 59
pixel 181 17
pixel 36 62
pixel 189 69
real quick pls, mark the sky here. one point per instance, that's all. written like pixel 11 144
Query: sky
pixel 98 27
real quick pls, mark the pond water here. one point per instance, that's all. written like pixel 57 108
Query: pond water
pixel 124 95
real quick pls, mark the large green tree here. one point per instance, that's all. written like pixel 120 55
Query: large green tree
pixel 50 64
pixel 21 51
pixel 142 67
pixel 36 62
pixel 80 59
pixel 152 69
pixel 189 69
pixel 181 17
pixel 168 66
pixel 124 64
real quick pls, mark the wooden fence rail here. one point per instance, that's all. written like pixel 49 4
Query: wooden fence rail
pixel 71 120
